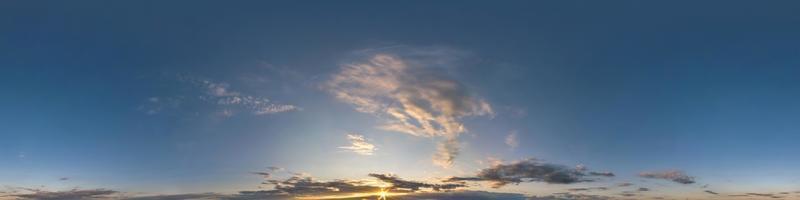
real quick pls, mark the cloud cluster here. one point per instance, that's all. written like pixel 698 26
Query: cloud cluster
pixel 529 170
pixel 673 175
pixel 264 195
pixel 398 183
pixel 359 145
pixel 221 94
pixel 413 95
pixel 461 195
pixel 306 186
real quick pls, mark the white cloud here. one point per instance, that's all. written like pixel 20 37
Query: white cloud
pixel 511 140
pixel 413 95
pixel 220 95
pixel 155 105
pixel 223 96
pixel 359 145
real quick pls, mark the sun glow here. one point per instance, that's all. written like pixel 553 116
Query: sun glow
pixel 382 194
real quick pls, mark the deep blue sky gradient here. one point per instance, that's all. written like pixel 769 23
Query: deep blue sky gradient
pixel 708 87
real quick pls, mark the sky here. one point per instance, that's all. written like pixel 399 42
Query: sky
pixel 420 99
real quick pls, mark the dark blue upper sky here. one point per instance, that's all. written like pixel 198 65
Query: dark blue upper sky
pixel 120 94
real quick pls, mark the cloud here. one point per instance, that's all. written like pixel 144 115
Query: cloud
pixel 529 170
pixel 570 196
pixel 711 192
pixel 673 175
pixel 218 94
pixel 242 195
pixel 461 195
pixel 359 145
pixel 446 152
pixel 307 186
pixel 155 105
pixel 263 174
pixel 268 173
pixel 606 174
pixel 398 183
pixel 412 93
pixel 511 140
pixel 624 184
pixel 200 196
pixel 766 195
pixel 586 189
pixel 74 194
pixel 266 195
pixel 221 94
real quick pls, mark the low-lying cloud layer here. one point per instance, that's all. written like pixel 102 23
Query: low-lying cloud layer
pixel 414 95
pixel 530 170
pixel 74 194
pixel 673 175
pixel 398 183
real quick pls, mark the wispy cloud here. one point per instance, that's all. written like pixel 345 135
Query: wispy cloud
pixel 511 139
pixel 221 94
pixel 218 95
pixel 359 145
pixel 673 175
pixel 412 94
pixel 155 105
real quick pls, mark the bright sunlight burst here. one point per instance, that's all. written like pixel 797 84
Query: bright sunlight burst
pixel 382 194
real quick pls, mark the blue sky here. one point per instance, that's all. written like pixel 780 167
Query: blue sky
pixel 180 97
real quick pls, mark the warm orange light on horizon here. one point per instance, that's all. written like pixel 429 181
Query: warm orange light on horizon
pixel 382 194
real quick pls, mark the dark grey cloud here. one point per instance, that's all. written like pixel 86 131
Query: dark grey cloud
pixel 306 186
pixel 243 195
pixel 74 194
pixel 673 175
pixel 529 170
pixel 624 184
pixel 607 174
pixel 571 196
pixel 627 194
pixel 200 196
pixel 642 189
pixel 586 189
pixel 262 174
pixel 768 195
pixel 711 192
pixel 461 195
pixel 299 185
pixel 398 183
pixel 266 195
